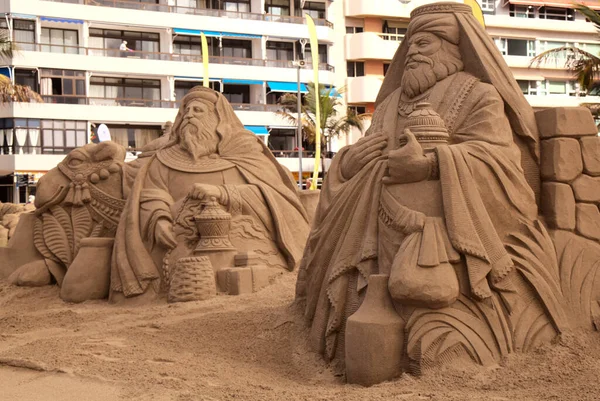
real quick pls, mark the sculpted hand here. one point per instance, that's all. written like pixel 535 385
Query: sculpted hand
pixel 204 192
pixel 361 153
pixel 407 164
pixel 163 234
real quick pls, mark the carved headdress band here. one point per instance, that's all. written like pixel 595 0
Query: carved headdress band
pixel 201 92
pixel 443 7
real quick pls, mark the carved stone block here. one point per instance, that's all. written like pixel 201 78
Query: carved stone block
pixel 245 259
pixel 558 205
pixel 590 148
pixel 565 121
pixel 561 159
pixel 587 188
pixel 235 280
pixel 588 220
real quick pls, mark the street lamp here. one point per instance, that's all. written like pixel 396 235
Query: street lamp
pixel 299 64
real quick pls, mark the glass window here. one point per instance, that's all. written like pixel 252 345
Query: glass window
pixel 280 51
pixel 60 136
pixel 237 48
pixel 521 11
pixel 24 34
pixel 277 7
pixel 314 9
pixel 354 29
pixel 237 93
pixel 355 68
pixel 557 87
pixel 487 6
pixel 520 47
pixel 125 88
pixel 142 44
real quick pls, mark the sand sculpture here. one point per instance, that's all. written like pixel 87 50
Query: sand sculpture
pixel 206 208
pixel 428 247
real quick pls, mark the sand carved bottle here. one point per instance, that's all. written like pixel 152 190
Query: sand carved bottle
pixel 374 339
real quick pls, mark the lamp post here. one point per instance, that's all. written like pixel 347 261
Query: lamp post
pixel 299 64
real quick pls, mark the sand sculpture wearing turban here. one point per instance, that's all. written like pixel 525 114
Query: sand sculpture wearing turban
pixel 210 155
pixel 383 206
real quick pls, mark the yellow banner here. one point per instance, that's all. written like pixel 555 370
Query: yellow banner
pixel 476 11
pixel 314 51
pixel 204 59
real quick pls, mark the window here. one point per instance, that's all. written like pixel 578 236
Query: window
pixel 487 6
pixel 322 53
pixel 106 42
pixel 59 41
pixel 516 47
pixel 521 11
pixel 62 86
pixel 277 7
pixel 314 9
pixel 237 48
pixel 24 34
pixel 355 68
pixel 395 29
pixel 190 47
pixel 354 29
pixel 557 87
pixel 527 87
pixel 559 14
pixel 60 136
pixel 26 135
pixel 282 140
pixel 134 136
pixel 182 87
pixel 358 110
pixel 386 66
pixel 242 6
pixel 27 78
pixel 237 93
pixel 280 51
pixel 593 48
pixel 126 91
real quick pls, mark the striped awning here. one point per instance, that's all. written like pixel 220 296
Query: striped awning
pixel 197 32
pixel 66 20
pixel 257 129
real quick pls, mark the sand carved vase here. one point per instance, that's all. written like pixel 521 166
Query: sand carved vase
pixel 421 273
pixel 88 277
pixel 374 342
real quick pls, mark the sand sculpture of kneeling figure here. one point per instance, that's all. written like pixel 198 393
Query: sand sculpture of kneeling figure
pixel 211 200
pixel 427 248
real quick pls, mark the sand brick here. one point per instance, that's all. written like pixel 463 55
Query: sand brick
pixel 558 205
pixel 565 121
pixel 590 148
pixel 587 188
pixel 561 159
pixel 588 220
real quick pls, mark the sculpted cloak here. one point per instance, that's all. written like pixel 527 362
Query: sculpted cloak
pixel 133 267
pixel 484 191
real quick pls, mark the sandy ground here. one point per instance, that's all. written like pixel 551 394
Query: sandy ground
pixel 249 347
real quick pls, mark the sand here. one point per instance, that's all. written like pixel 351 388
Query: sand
pixel 248 347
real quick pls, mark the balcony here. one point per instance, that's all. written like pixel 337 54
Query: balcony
pixel 143 55
pixel 134 5
pixel 371 46
pixel 362 90
pixel 379 8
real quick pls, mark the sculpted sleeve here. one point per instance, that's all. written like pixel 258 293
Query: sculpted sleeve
pixel 155 200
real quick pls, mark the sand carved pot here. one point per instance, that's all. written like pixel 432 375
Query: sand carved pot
pixel 421 273
pixel 213 225
pixel 374 343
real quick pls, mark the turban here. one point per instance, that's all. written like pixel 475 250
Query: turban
pixel 200 93
pixel 444 26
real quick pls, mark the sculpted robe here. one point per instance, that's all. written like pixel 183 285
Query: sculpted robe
pixel 254 183
pixel 484 195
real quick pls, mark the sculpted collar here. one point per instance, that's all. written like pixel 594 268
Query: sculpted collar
pixel 178 159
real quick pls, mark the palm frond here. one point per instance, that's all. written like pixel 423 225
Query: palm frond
pixel 7 46
pixel 584 65
pixel 590 14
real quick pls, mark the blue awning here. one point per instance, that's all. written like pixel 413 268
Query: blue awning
pixel 242 81
pixel 197 32
pixel 5 71
pixel 257 129
pixel 67 20
pixel 23 16
pixel 287 87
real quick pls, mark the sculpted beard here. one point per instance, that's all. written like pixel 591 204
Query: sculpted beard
pixel 199 138
pixel 446 61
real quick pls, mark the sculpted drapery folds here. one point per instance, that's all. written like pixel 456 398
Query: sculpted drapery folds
pixel 388 206
pixel 210 155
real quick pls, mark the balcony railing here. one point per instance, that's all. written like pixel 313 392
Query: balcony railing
pixel 135 54
pixel 34 150
pixel 134 5
pixel 167 104
pixel 391 36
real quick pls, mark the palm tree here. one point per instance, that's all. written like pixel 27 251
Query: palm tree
pixel 331 124
pixel 10 92
pixel 585 65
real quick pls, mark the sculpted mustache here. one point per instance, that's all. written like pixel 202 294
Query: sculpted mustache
pixel 419 59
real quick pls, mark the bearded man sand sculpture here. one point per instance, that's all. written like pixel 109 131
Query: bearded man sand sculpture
pixel 212 162
pixel 433 216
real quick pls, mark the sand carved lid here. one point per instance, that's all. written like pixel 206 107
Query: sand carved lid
pixel 427 125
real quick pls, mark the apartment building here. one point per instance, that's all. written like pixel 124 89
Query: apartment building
pixel 521 29
pixel 128 63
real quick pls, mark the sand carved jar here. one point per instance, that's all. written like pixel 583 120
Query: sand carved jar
pixel 374 337
pixel 420 271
